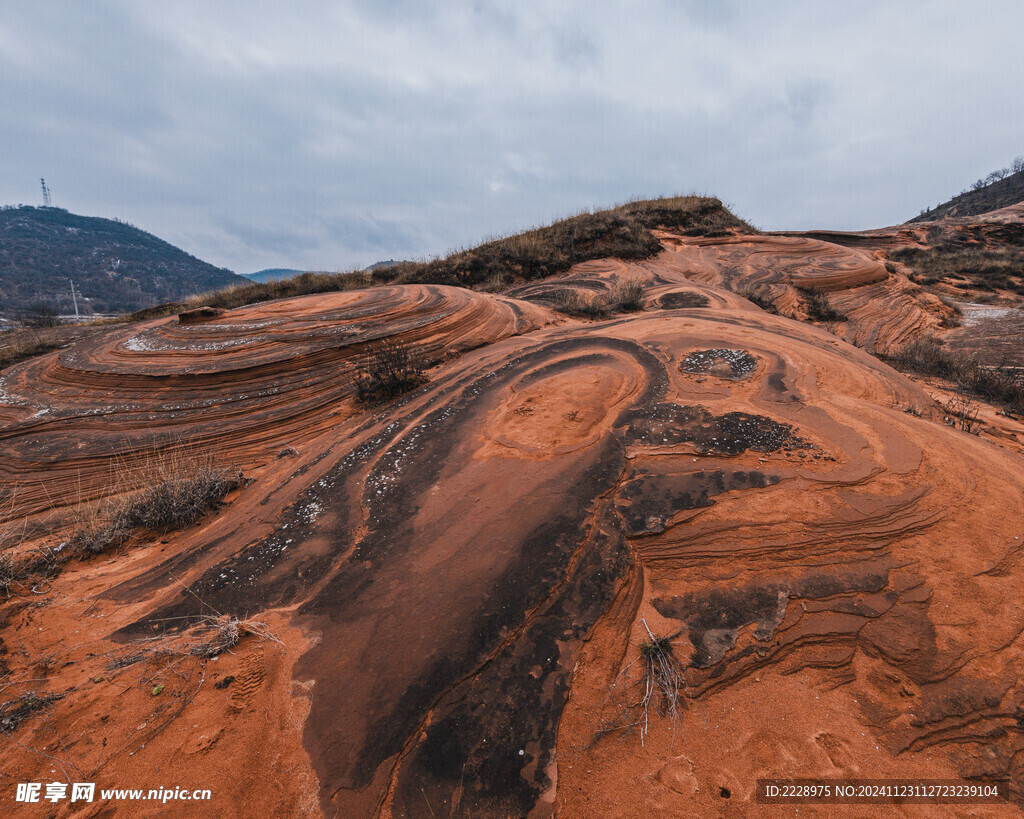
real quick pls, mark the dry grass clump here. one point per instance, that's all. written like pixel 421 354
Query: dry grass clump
pixel 166 504
pixel 391 368
pixel 177 502
pixel 152 493
pixel 627 296
pixel 206 638
pixel 19 345
pixel 663 678
pixel 8 575
pixel 980 268
pixel 661 685
pixel 1000 384
pixel 574 302
pixel 222 633
pixel 623 297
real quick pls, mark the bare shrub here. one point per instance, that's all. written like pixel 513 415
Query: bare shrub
pixel 622 297
pixel 391 368
pixel 40 315
pixel 818 306
pixel 962 412
pixel 761 299
pixel 999 384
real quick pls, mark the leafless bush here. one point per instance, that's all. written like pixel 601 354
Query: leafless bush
pixel 1000 384
pixel 818 306
pixel 761 299
pixel 962 412
pixel 391 368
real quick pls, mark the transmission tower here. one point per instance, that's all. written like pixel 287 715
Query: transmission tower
pixel 46 193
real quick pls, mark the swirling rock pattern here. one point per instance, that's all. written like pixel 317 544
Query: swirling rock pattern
pixel 242 384
pixel 464 574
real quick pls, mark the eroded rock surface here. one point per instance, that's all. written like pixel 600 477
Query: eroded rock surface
pixel 460 578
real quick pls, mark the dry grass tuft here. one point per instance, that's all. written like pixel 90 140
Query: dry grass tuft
pixel 622 297
pixel 662 686
pixel 206 638
pixel 156 492
pixel 164 505
pixel 222 633
pixel 8 576
pixel 16 711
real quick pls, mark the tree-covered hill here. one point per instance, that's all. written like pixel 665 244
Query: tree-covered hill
pixel 115 267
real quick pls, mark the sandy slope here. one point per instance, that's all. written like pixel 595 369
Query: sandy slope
pixel 459 579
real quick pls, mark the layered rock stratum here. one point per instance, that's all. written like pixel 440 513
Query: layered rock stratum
pixel 450 590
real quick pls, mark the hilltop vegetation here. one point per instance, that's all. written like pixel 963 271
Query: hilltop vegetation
pixel 622 232
pixel 115 267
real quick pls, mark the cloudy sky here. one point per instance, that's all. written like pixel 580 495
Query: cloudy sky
pixel 326 135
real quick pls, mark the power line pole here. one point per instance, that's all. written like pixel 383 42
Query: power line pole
pixel 74 299
pixel 46 193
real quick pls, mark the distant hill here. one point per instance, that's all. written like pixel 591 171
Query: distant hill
pixel 384 265
pixel 998 194
pixel 115 267
pixel 273 274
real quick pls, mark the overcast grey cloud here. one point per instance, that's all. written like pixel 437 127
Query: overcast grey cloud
pixel 326 135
